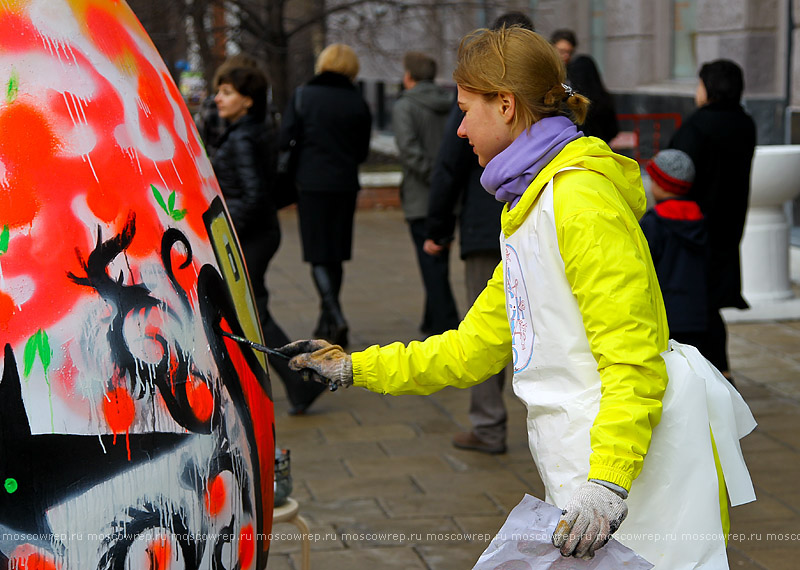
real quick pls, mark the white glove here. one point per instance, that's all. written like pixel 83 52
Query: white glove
pixel 320 361
pixel 591 516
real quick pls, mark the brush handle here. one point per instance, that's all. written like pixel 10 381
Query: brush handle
pixel 259 347
pixel 331 386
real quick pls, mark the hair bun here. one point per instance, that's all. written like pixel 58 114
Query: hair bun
pixel 558 93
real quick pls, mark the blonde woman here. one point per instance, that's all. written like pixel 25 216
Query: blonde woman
pixel 576 306
pixel 330 124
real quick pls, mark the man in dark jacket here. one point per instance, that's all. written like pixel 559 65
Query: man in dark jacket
pixel 720 138
pixel 456 185
pixel 418 120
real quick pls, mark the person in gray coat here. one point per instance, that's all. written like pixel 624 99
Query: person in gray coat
pixel 418 121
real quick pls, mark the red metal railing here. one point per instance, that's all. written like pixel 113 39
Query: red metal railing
pixel 645 126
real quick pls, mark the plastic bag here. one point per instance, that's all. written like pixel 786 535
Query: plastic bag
pixel 524 543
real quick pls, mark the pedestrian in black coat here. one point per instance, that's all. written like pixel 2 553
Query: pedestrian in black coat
pixel 209 124
pixel 601 120
pixel 720 138
pixel 456 186
pixel 243 166
pixel 331 124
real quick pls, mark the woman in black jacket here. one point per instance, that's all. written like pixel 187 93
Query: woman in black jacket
pixel 330 125
pixel 243 164
pixel 720 138
pixel 601 120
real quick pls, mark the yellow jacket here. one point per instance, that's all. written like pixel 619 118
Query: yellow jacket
pixel 609 270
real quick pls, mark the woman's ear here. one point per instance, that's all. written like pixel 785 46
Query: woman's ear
pixel 508 106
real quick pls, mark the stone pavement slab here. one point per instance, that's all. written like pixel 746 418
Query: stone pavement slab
pixel 386 558
pixel 378 480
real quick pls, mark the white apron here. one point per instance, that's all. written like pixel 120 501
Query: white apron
pixel 674 514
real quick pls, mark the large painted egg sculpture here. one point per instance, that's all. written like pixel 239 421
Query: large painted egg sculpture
pixel 132 433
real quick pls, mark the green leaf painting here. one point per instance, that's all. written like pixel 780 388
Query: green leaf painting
pixel 12 89
pixel 38 343
pixel 169 205
pixel 159 199
pixel 4 236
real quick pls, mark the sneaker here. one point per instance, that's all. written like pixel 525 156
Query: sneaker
pixel 468 440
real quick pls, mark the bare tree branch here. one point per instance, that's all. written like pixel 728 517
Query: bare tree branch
pixel 268 30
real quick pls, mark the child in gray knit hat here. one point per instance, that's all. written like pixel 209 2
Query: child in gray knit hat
pixel 676 232
pixel 672 174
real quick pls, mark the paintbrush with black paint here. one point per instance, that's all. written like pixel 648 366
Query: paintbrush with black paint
pixel 260 347
pixel 250 343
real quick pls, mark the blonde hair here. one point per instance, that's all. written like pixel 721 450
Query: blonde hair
pixel 338 58
pixel 521 62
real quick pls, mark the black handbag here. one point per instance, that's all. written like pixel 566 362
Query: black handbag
pixel 285 193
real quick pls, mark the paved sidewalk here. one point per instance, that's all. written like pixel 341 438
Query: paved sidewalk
pixel 378 480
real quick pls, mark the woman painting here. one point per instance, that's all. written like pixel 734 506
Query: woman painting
pixel 617 426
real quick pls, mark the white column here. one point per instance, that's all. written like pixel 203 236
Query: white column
pixel 775 180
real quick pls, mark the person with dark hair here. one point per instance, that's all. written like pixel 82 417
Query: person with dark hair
pixel 419 66
pixel 720 138
pixel 456 186
pixel 418 121
pixel 330 124
pixel 513 18
pixel 209 124
pixel 565 43
pixel 723 82
pixel 243 164
pixel 601 121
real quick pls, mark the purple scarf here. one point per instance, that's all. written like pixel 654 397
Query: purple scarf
pixel 509 173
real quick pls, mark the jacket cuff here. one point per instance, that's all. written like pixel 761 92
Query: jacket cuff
pixel 606 473
pixel 357 359
pixel 611 486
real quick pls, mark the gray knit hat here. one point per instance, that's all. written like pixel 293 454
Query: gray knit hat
pixel 673 170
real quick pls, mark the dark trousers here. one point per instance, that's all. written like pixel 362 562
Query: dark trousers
pixel 487 411
pixel 258 250
pixel 440 306
pixel 712 343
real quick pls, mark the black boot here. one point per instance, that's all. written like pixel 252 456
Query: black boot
pixel 324 323
pixel 328 280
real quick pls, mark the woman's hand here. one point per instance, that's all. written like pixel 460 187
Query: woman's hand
pixel 589 519
pixel 320 361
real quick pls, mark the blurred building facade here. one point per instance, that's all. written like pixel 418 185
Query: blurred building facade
pixel 648 50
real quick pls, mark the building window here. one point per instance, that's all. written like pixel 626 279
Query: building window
pixel 684 30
